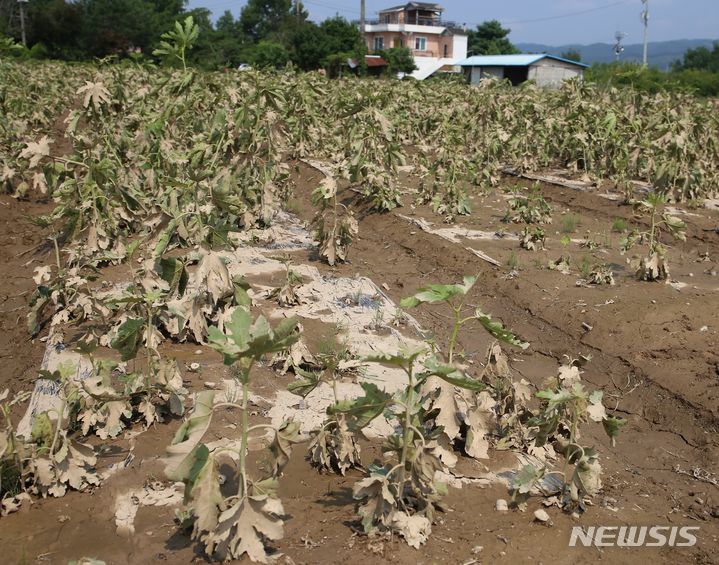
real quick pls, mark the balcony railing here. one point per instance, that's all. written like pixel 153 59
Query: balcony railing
pixel 435 22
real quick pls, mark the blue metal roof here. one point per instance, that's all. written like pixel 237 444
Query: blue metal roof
pixel 512 60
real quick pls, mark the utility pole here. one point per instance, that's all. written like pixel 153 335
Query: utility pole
pixel 362 18
pixel 645 21
pixel 22 21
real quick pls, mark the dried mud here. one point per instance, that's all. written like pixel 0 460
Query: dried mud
pixel 653 352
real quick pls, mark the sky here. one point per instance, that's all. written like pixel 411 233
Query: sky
pixel 551 22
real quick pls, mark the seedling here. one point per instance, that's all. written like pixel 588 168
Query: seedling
pixel 454 295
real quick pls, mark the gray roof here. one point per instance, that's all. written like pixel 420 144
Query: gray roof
pixel 512 60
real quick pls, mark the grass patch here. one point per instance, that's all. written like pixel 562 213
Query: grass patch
pixel 619 225
pixel 569 223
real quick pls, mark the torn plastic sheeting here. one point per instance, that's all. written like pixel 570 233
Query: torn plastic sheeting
pixel 46 394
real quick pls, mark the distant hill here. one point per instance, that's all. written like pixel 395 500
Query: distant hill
pixel 661 53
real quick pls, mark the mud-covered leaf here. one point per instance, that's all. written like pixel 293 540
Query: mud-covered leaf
pixel 182 453
pixel 497 330
pixel 453 375
pixel 243 529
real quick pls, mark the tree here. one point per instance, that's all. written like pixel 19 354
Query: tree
pixel 399 60
pixel 700 58
pixel 223 46
pixel 263 19
pixel 268 54
pixel 55 24
pixel 311 45
pixel 572 55
pixel 490 38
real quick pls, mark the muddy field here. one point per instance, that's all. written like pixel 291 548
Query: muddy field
pixel 652 350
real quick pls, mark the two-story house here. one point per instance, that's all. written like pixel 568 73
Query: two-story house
pixel 435 44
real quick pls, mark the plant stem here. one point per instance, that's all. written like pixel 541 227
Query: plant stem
pixel 55 437
pixel 245 433
pixel 651 232
pixel 455 331
pixel 408 434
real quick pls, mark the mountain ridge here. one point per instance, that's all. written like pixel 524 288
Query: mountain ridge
pixel 661 53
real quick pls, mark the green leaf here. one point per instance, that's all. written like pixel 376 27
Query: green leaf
pixel 306 384
pixel 241 287
pixel 496 330
pixel 361 411
pixel 244 339
pixel 405 357
pixel 612 425
pixel 438 293
pixel 453 375
pixel 129 337
pixel 173 272
pixel 555 398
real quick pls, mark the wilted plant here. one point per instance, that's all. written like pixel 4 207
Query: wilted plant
pixel 334 447
pixel 533 238
pixel 402 494
pixel 230 526
pixel 654 265
pixel 565 406
pixel 286 294
pixel 529 209
pixel 335 224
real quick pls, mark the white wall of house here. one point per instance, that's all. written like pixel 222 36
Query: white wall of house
pixel 459 47
pixel 550 73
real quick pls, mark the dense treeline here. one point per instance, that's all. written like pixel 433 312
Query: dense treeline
pixel 697 72
pixel 267 32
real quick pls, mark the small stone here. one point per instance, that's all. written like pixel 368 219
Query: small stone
pixel 501 505
pixel 194 367
pixel 477 549
pixel 209 384
pixel 198 351
pixel 654 301
pixel 704 329
pixel 541 516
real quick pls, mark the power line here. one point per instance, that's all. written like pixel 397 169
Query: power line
pixel 569 14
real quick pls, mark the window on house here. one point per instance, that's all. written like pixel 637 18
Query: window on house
pixel 446 50
pixel 378 43
pixel 420 44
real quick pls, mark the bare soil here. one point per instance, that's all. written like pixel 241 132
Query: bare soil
pixel 653 352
